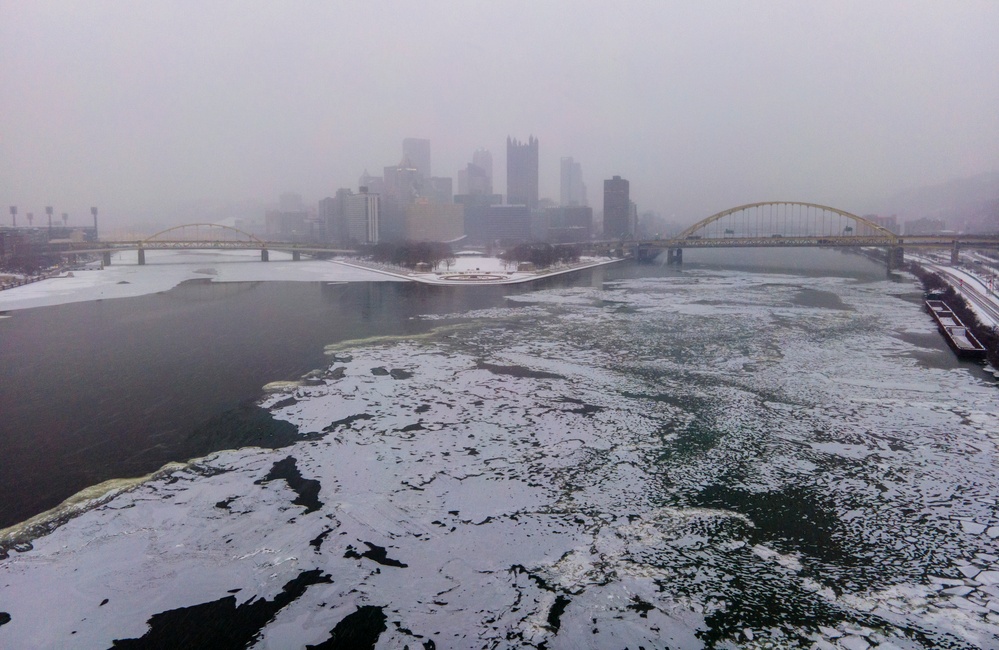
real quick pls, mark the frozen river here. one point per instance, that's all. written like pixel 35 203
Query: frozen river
pixel 718 457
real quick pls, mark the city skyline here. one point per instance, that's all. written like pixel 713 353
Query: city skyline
pixel 701 106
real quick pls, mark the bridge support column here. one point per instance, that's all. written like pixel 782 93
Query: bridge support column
pixel 296 256
pixel 106 258
pixel 674 256
pixel 896 257
pixel 142 257
pixel 955 254
pixel 264 255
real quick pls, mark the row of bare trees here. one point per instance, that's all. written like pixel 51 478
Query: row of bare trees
pixel 409 253
pixel 541 254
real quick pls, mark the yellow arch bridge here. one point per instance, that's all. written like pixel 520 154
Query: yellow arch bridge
pixel 795 224
pixel 199 236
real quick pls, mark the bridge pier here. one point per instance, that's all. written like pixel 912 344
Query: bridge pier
pixel 106 258
pixel 896 257
pixel 264 255
pixel 142 257
pixel 674 256
pixel 955 254
pixel 296 256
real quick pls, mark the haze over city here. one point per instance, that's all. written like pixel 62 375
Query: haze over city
pixel 149 109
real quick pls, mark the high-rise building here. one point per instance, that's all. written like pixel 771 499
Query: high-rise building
pixel 362 217
pixel 430 221
pixel 565 224
pixel 573 191
pixel 417 150
pixel 477 177
pixel 489 224
pixel 441 190
pixel 483 159
pixel 333 215
pixel 403 181
pixel 522 172
pixel 375 184
pixel 617 207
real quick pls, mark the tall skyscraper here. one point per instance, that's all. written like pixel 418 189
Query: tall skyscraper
pixel 375 184
pixel 477 177
pixel 522 172
pixel 362 216
pixel 484 161
pixel 573 191
pixel 417 150
pixel 351 219
pixel 617 207
pixel 404 181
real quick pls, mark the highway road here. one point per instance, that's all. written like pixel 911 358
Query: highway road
pixel 975 289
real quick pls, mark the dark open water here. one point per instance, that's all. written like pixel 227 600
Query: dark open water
pixel 117 388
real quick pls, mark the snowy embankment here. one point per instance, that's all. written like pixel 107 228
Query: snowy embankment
pixel 166 269
pixel 984 300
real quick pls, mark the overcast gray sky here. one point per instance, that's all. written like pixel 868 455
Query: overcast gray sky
pixel 137 106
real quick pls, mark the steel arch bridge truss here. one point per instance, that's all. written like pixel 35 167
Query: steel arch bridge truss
pixel 784 223
pixel 202 235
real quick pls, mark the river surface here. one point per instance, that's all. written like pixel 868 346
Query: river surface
pixel 739 454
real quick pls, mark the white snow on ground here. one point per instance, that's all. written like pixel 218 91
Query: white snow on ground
pixel 166 269
pixel 483 270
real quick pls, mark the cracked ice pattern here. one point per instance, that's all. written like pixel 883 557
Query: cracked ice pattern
pixel 695 461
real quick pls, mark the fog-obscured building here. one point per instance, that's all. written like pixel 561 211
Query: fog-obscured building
pixel 362 214
pixel 888 223
pixel 291 202
pixel 351 219
pixel 441 190
pixel 522 172
pixel 617 207
pixel 491 224
pixel 572 188
pixel 292 226
pixel 567 224
pixel 925 226
pixel 483 159
pixel 427 220
pixel 374 184
pixel 332 213
pixel 417 150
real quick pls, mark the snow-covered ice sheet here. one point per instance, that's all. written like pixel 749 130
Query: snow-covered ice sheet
pixel 706 460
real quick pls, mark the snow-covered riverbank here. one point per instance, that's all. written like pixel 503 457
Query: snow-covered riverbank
pixel 166 269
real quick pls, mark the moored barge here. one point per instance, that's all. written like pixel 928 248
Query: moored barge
pixel 959 337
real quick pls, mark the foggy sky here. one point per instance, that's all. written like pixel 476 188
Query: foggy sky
pixel 139 107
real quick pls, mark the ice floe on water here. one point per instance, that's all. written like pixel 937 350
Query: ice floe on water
pixel 666 463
